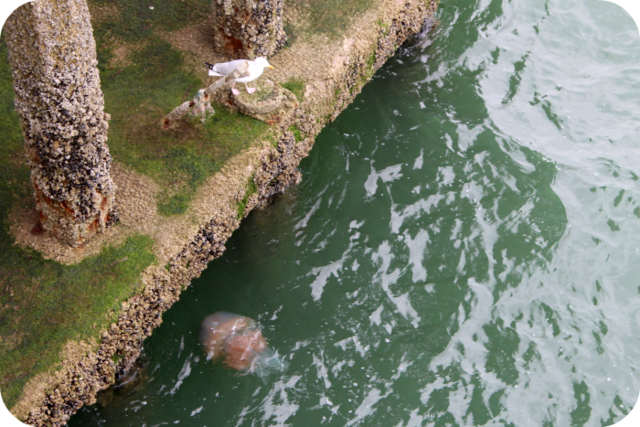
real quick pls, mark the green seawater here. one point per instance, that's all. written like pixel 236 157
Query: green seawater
pixel 463 249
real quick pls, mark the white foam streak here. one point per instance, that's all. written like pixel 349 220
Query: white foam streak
pixel 467 136
pixel 347 343
pixel 417 248
pixel 324 273
pixel 388 174
pixel 420 207
pixel 182 375
pixel 402 368
pixel 419 161
pixel 375 317
pixel 304 221
pixel 323 373
pixel 366 407
pixel 415 420
pixel 276 406
pixel 402 302
pixel 447 175
pixel 469 324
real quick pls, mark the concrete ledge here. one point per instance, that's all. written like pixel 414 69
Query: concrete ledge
pixel 346 64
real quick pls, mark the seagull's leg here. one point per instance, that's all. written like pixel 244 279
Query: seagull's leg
pixel 235 91
pixel 250 89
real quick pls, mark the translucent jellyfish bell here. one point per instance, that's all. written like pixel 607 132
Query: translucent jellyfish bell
pixel 239 342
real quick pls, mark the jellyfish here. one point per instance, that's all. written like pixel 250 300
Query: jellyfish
pixel 238 342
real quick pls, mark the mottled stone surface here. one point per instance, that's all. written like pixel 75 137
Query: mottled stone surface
pixel 61 107
pixel 248 28
pixel 271 103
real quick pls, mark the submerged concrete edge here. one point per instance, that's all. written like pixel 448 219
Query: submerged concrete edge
pixel 90 367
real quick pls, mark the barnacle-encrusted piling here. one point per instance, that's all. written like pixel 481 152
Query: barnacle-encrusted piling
pixel 58 98
pixel 248 28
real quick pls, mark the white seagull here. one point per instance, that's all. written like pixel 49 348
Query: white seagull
pixel 256 68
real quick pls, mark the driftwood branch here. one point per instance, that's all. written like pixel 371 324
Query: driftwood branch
pixel 200 105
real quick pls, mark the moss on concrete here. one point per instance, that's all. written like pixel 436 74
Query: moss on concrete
pixel 137 20
pixel 331 17
pixel 296 86
pixel 384 26
pixel 252 189
pixel 296 133
pixel 139 95
pixel 44 304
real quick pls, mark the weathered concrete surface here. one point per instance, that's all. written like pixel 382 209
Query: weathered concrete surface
pixel 271 103
pixel 184 247
pixel 246 29
pixel 61 107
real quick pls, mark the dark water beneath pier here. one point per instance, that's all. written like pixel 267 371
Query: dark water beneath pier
pixel 463 249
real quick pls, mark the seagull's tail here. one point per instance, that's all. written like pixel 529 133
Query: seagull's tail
pixel 212 72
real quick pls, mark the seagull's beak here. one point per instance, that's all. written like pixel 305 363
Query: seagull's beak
pixel 270 66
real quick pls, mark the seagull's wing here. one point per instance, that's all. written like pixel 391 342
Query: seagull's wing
pixel 255 71
pixel 224 68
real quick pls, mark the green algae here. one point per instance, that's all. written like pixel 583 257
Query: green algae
pixel 331 17
pixel 44 304
pixel 297 86
pixel 138 20
pixel 297 133
pixel 252 189
pixel 139 95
